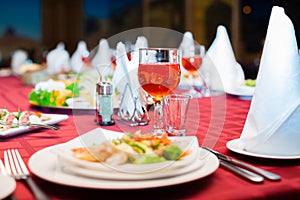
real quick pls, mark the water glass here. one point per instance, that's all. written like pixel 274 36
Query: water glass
pixel 176 106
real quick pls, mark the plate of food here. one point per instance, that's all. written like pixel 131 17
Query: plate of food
pixel 47 164
pixel 13 123
pixel 67 92
pixel 244 91
pixel 128 152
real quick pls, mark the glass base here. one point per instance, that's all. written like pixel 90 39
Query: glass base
pixel 194 93
pixel 175 132
pixel 158 132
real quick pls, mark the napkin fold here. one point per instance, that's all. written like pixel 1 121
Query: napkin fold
pixel 272 125
pixel 19 57
pixel 78 57
pixel 58 59
pixel 103 58
pixel 125 79
pixel 220 69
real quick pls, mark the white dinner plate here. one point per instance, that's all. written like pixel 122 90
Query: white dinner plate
pixel 7 185
pixel 235 146
pixel 45 165
pixel 54 118
pixel 98 136
pixel 243 92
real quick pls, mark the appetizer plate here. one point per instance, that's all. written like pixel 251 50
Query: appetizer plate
pixel 7 185
pixel 54 118
pixel 234 145
pixel 98 136
pixel 45 165
pixel 243 92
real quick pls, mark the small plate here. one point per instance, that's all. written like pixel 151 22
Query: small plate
pixel 98 136
pixel 7 185
pixel 54 118
pixel 242 92
pixel 234 145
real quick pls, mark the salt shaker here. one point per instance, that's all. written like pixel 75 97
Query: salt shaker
pixel 104 108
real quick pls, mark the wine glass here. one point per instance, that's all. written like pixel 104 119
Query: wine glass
pixel 159 74
pixel 192 61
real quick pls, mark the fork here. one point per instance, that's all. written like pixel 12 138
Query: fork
pixel 42 125
pixel 16 168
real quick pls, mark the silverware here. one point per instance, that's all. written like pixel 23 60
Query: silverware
pixel 269 175
pixel 242 172
pixel 42 125
pixel 16 168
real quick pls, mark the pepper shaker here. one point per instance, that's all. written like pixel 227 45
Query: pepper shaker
pixel 104 108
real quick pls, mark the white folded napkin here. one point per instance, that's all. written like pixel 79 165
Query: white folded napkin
pixel 125 77
pixel 272 126
pixel 77 58
pixel 58 59
pixel 103 58
pixel 19 57
pixel 187 46
pixel 221 70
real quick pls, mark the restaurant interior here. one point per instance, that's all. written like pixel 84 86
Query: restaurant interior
pixel 111 100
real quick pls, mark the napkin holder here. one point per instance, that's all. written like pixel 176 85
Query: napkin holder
pixel 135 118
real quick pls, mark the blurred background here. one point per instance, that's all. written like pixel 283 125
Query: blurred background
pixel 39 25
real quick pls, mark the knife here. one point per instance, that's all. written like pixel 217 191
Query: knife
pixel 242 172
pixel 269 175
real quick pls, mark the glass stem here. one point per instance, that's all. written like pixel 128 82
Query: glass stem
pixel 158 123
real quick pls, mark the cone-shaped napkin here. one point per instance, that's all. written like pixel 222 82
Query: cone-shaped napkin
pixel 126 75
pixel 221 70
pixel 103 58
pixel 58 59
pixel 77 58
pixel 272 126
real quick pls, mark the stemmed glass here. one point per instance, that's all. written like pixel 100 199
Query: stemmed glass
pixel 192 61
pixel 159 74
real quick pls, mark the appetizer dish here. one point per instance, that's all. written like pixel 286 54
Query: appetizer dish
pixel 133 148
pixel 10 120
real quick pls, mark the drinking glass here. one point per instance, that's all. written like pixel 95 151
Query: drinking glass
pixel 159 74
pixel 192 61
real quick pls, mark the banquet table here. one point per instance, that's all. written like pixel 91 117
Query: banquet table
pixel 221 184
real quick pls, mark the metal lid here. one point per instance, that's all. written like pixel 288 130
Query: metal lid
pixel 104 88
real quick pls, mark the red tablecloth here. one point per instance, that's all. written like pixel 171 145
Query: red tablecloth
pixel 213 125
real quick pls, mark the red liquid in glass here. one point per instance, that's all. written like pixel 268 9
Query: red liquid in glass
pixel 192 64
pixel 159 79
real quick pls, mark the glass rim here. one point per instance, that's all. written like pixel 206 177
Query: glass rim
pixel 159 48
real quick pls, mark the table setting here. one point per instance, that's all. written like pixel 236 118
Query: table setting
pixel 142 135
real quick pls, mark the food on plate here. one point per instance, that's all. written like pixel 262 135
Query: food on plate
pixel 250 82
pixel 54 92
pixel 135 148
pixel 15 119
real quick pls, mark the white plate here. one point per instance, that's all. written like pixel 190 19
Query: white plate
pixel 116 175
pixel 63 107
pixel 98 136
pixel 7 185
pixel 242 92
pixel 234 145
pixel 44 165
pixel 54 118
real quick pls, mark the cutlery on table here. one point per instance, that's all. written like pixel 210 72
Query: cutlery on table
pixel 269 175
pixel 16 168
pixel 42 125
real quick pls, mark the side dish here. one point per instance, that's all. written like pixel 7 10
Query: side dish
pixel 134 148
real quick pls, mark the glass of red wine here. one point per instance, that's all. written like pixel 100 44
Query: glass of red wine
pixel 159 74
pixel 191 61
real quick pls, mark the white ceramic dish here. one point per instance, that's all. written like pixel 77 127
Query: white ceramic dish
pixel 44 165
pixel 54 118
pixel 234 145
pixel 98 136
pixel 243 92
pixel 7 185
